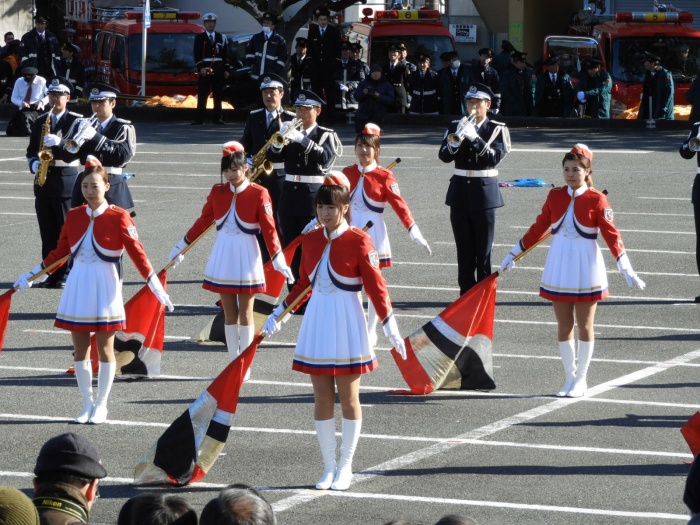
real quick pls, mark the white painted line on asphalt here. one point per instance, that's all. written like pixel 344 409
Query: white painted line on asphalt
pixel 654 214
pixel 664 199
pixel 17 198
pixel 602 152
pixel 502 505
pixel 10 213
pixel 13 158
pixel 187 188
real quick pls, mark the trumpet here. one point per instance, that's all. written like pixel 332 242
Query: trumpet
pixel 454 140
pixel 694 143
pixel 75 137
pixel 279 139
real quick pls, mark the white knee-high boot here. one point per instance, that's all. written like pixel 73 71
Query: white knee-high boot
pixel 247 336
pixel 567 349
pixel 585 353
pixel 231 332
pixel 372 320
pixel 105 378
pixel 83 375
pixel 325 432
pixel 351 435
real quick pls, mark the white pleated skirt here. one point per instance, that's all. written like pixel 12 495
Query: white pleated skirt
pixel 235 264
pixel 380 238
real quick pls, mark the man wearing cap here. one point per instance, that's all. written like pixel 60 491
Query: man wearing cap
pixel 375 96
pixel 348 75
pixel 211 59
pixel 299 68
pixel 687 65
pixel 112 141
pixel 517 88
pixel 594 90
pixel 52 200
pixel 261 125
pixel 67 472
pixel 424 88
pixel 356 53
pixel 503 59
pixel 70 67
pixel 307 154
pixel 657 90
pixel 473 194
pixel 324 49
pixel 454 81
pixel 40 48
pixel 554 91
pixel 482 72
pixel 266 52
pixel 396 73
pixel 29 95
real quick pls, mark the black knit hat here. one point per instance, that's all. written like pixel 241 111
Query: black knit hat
pixel 70 453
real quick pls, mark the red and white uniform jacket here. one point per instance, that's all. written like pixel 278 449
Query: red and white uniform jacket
pixel 113 232
pixel 378 188
pixel 352 263
pixel 592 214
pixel 252 209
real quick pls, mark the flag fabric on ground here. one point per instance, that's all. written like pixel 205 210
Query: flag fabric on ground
pixel 5 301
pixel 691 433
pixel 454 349
pixel 190 446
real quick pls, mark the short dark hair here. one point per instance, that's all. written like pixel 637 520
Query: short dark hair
pixel 9 33
pixel 56 476
pixel 238 505
pixel 157 509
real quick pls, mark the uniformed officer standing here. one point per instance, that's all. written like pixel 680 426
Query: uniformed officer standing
pixel 261 125
pixel 554 92
pixel 307 155
pixel 517 88
pixel 454 81
pixel 70 67
pixel 473 194
pixel 266 52
pixel 113 141
pixel 657 90
pixel 39 48
pixel 594 89
pixel 211 59
pixel 688 152
pixel 356 53
pixel 324 49
pixel 299 69
pixel 52 199
pixel 424 88
pixel 348 74
pixel 396 73
pixel 483 73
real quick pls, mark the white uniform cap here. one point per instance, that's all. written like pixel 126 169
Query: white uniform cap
pixel 210 16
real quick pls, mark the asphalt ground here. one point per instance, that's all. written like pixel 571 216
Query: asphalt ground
pixel 516 454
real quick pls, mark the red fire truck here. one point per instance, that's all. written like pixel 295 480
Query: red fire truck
pixel 421 30
pixel 110 38
pixel 620 44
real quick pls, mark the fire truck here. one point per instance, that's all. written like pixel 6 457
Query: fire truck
pixel 620 43
pixel 421 30
pixel 110 38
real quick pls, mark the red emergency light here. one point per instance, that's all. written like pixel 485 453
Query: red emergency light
pixel 420 14
pixel 684 17
pixel 163 15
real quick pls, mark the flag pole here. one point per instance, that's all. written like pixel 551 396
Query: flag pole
pixel 188 247
pixel 56 264
pixel 523 254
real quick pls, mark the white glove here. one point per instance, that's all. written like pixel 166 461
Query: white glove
pixel 470 132
pixel 581 97
pixel 311 226
pixel 88 132
pixel 175 256
pixel 295 135
pixel 416 236
pixel 273 324
pixel 23 282
pixel 508 263
pixel 494 111
pixel 343 87
pixel 280 264
pixel 52 140
pixel 391 330
pixel 625 267
pixel 34 167
pixel 157 288
pixel 284 126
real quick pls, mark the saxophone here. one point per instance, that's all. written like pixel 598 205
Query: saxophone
pixel 45 154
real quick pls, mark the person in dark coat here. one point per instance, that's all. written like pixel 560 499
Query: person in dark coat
pixel 211 59
pixel 686 65
pixel 693 97
pixel 299 68
pixel 8 68
pixel 266 52
pixel 517 88
pixel 70 67
pixel 424 88
pixel 396 72
pixel 40 48
pixel 594 89
pixel 375 96
pixel 554 92
pixel 356 49
pixel 688 151
pixel 323 49
pixel 348 75
pixel 473 194
pixel 484 73
pixel 503 59
pixel 657 91
pixel 454 81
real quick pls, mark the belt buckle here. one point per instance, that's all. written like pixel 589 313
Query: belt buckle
pixel 297 178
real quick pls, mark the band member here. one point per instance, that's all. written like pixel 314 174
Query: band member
pixel 266 52
pixel 371 189
pixel 113 141
pixel 52 196
pixel 396 73
pixel 657 91
pixel 688 152
pixel 348 74
pixel 324 49
pixel 211 59
pixel 554 91
pixel 424 87
pixel 473 195
pixel 96 235
pixel 235 270
pixel 261 125
pixel 574 276
pixel 307 154
pixel 484 73
pixel 332 347
pixel 40 48
pixel 70 67
pixel 299 69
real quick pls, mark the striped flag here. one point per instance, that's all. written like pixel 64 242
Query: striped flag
pixel 691 433
pixel 454 349
pixel 5 301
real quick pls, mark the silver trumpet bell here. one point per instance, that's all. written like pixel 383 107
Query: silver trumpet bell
pixel 76 133
pixel 694 143
pixel 454 140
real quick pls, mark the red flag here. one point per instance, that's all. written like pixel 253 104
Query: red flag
pixel 5 301
pixel 691 433
pixel 454 350
pixel 190 446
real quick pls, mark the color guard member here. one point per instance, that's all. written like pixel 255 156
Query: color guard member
pixel 338 260
pixel 266 52
pixel 211 59
pixel 424 87
pixel 687 151
pixel 52 199
pixel 473 195
pixel 96 235
pixel 574 276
